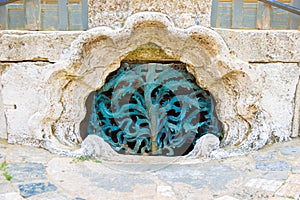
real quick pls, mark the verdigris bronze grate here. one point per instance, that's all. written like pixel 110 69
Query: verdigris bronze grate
pixel 154 109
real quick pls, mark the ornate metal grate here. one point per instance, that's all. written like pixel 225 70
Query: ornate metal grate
pixel 152 108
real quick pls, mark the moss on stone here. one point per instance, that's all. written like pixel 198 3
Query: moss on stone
pixel 149 51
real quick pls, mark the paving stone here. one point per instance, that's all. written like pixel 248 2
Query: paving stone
pixel 2 160
pixel 29 154
pixel 257 176
pixel 226 197
pixel 10 196
pixel 275 175
pixel 165 190
pixel 290 150
pixel 55 195
pixel 265 156
pixel 290 190
pixel 296 169
pixel 120 182
pixel 264 184
pixel 22 172
pixel 5 187
pixel 113 181
pixel 30 189
pixel 273 166
pixel 2 178
pixel 294 178
pixel 215 177
pixel 249 193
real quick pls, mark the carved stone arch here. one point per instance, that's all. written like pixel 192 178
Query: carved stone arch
pixel 98 52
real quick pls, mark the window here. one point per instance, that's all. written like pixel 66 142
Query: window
pixel 45 15
pixel 252 14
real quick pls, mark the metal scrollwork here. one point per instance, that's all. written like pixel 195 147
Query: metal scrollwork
pixel 153 108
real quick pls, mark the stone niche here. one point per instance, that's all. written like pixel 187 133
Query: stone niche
pixel 65 86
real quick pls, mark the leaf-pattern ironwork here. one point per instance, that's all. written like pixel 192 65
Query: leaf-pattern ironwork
pixel 152 108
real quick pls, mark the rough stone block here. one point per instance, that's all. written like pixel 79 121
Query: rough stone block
pixel 21 98
pixel 279 102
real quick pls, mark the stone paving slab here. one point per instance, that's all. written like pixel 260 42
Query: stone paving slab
pixel 30 189
pixel 265 184
pixel 273 165
pixel 5 187
pixel 10 196
pixel 270 173
pixel 26 172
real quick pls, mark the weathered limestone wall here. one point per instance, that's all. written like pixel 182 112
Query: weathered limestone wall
pixel 39 75
pixel 113 13
pixel 253 46
pixel 23 57
pixel 276 57
pixel 269 46
pixel 22 46
pixel 3 131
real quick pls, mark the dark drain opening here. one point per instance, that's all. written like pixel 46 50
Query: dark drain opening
pixel 152 109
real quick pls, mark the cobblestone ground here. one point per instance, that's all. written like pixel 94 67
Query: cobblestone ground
pixel 30 173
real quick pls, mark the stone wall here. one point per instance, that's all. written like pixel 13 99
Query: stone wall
pixel 114 13
pixel 44 83
pixel 3 131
